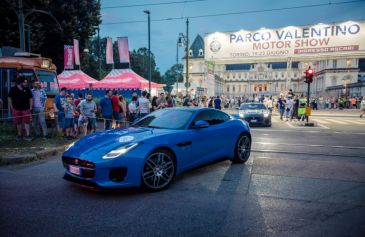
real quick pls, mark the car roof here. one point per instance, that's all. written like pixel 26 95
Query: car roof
pixel 188 108
pixel 193 109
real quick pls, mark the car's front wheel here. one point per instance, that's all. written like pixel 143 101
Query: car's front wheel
pixel 158 170
pixel 242 149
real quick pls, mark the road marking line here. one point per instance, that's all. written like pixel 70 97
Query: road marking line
pixel 290 125
pixel 274 119
pixel 310 145
pixel 355 122
pixel 304 130
pixel 321 125
pixel 321 121
pixel 336 121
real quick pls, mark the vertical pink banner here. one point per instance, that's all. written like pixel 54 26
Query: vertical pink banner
pixel 123 49
pixel 68 57
pixel 109 51
pixel 77 52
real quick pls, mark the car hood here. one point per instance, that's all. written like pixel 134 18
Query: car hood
pixel 107 140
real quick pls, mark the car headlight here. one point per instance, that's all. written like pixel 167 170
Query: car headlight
pixel 119 151
pixel 242 115
pixel 266 115
pixel 69 146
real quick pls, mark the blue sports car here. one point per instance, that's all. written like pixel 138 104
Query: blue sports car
pixel 156 148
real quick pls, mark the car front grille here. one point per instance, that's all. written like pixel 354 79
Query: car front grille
pixel 259 119
pixel 86 167
pixel 78 162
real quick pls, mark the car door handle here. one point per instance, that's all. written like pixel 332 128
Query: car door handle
pixel 187 143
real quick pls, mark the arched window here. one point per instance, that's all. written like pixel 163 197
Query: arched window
pixel 190 52
pixel 201 53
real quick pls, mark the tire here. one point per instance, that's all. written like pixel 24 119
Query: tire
pixel 159 170
pixel 242 149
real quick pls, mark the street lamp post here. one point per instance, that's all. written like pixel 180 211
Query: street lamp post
pixel 99 59
pixel 149 50
pixel 185 39
pixel 177 65
pixel 187 56
pixel 99 52
pixel 21 21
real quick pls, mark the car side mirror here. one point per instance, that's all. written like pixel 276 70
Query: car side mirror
pixel 201 124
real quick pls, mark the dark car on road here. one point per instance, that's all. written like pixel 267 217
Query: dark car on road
pixel 256 114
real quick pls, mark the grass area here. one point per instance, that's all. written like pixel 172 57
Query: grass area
pixel 8 135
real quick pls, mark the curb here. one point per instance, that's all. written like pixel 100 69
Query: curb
pixel 26 158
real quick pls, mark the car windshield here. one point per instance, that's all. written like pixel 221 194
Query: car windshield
pixel 166 118
pixel 252 106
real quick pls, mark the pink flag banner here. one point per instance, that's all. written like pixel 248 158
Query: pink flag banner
pixel 76 52
pixel 123 49
pixel 68 56
pixel 109 51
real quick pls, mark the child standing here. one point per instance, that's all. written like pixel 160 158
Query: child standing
pixel 69 116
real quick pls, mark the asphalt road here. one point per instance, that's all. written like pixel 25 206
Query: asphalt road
pixel 298 182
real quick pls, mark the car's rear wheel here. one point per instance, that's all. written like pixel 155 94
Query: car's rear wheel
pixel 242 149
pixel 158 170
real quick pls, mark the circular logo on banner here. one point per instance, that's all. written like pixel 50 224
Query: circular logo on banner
pixel 215 46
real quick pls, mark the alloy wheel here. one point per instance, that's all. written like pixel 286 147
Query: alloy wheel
pixel 244 148
pixel 158 171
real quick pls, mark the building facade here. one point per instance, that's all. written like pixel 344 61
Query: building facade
pixel 339 71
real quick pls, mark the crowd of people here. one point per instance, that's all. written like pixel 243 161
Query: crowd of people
pixel 316 103
pixel 79 116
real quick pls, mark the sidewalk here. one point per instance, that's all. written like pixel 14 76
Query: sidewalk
pixel 337 112
pixel 10 156
pixel 15 152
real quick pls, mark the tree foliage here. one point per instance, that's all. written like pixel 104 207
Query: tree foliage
pixel 78 20
pixel 174 74
pixel 138 61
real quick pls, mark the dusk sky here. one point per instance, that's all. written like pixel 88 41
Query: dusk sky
pixel 164 34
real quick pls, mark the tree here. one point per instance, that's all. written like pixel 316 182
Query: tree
pixel 174 74
pixel 138 61
pixel 139 64
pixel 78 19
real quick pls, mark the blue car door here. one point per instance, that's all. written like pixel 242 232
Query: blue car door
pixel 209 143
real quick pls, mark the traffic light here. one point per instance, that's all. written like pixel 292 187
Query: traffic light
pixel 309 73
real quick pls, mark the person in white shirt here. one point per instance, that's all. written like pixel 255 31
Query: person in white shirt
pixel 362 106
pixel 143 105
pixel 269 104
pixel 132 108
pixel 289 108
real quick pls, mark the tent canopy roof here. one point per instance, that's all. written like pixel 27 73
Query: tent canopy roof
pixel 126 79
pixel 75 79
